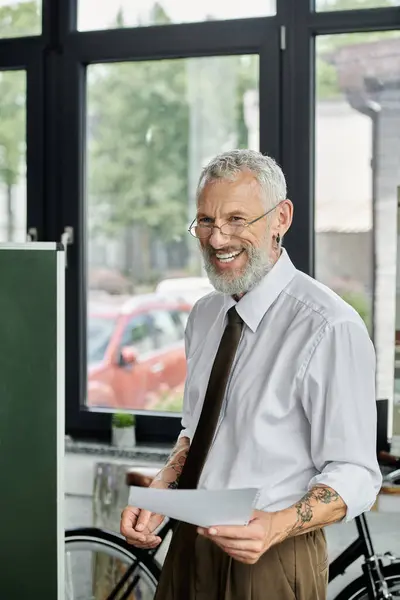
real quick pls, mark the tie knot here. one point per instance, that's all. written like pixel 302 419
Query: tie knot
pixel 233 317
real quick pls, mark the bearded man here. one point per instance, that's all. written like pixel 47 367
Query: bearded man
pixel 279 396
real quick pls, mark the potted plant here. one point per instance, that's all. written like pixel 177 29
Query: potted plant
pixel 123 430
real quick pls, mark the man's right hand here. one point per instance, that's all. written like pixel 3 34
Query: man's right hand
pixel 138 526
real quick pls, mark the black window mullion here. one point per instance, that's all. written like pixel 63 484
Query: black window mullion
pixel 349 21
pixel 244 36
pixel 297 80
pixel 59 18
pixel 16 53
pixel 270 94
pixel 79 420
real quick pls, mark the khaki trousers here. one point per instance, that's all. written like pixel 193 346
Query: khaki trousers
pixel 196 569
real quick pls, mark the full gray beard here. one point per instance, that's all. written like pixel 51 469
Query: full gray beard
pixel 258 265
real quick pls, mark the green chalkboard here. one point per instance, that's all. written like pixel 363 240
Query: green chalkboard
pixel 31 421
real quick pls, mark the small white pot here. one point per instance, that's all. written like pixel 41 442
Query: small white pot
pixel 124 437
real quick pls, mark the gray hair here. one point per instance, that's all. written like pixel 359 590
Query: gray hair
pixel 265 169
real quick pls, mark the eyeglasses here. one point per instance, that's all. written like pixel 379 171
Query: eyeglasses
pixel 233 228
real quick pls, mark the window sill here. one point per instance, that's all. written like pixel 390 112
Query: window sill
pixel 154 453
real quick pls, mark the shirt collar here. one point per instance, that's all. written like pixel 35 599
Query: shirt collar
pixel 253 305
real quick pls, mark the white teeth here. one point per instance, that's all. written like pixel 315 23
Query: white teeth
pixel 228 257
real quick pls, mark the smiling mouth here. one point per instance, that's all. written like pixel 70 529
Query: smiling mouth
pixel 227 257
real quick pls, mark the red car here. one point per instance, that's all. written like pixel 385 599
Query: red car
pixel 134 350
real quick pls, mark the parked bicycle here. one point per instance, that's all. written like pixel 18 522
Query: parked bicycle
pixel 100 565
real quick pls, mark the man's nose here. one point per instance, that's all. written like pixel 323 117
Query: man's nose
pixel 217 239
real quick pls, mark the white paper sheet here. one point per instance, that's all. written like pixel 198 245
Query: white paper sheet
pixel 204 508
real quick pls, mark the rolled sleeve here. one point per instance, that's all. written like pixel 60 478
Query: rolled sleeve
pixel 340 403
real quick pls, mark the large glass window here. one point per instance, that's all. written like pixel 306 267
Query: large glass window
pixel 357 157
pixel 151 126
pixel 329 5
pixel 94 15
pixel 12 156
pixel 20 18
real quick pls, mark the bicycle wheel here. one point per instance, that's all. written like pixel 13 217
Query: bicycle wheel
pixel 101 566
pixel 357 589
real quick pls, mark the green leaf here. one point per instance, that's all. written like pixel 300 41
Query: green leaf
pixel 122 420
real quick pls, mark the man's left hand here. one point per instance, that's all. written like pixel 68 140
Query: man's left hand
pixel 244 543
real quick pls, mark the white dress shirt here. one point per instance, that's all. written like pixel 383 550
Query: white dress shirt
pixel 300 406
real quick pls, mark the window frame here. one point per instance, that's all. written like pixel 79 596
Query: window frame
pixel 55 63
pixel 258 36
pixel 290 36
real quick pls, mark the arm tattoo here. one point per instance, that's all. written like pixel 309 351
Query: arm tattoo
pixel 168 477
pixel 305 507
pixel 177 467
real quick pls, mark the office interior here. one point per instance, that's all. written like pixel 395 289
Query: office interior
pixel 108 112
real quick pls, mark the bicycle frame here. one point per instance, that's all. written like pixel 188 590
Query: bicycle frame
pixel 162 532
pixel 361 547
pixel 372 568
